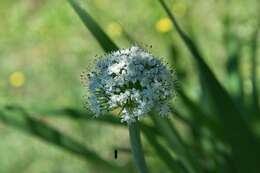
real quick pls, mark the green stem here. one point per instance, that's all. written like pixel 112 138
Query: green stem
pixel 137 150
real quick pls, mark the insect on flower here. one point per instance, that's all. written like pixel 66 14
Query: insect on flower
pixel 130 80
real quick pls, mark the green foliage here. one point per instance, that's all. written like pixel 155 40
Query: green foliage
pixel 45 132
pixel 217 131
pixel 235 129
pixel 107 44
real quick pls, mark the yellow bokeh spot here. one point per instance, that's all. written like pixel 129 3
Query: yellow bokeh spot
pixel 114 29
pixel 179 9
pixel 17 79
pixel 164 25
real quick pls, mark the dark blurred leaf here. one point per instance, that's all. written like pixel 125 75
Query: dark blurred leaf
pixel 173 164
pixel 175 142
pixel 39 128
pixel 175 62
pixel 245 146
pixel 233 47
pixel 182 118
pixel 87 116
pixel 199 116
pixel 255 94
pixel 83 115
pixel 235 78
pixel 107 44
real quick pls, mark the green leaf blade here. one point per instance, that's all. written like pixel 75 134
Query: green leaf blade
pixel 105 42
pixel 245 145
pixel 36 127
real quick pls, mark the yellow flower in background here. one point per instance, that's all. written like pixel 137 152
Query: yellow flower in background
pixel 179 9
pixel 114 29
pixel 17 79
pixel 164 25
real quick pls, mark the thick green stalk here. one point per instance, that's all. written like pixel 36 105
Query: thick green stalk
pixel 137 150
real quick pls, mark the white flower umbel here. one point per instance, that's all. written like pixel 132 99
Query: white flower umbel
pixel 132 80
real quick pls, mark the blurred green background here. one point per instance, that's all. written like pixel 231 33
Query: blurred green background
pixel 44 47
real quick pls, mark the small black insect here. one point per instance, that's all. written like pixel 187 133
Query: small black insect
pixel 115 154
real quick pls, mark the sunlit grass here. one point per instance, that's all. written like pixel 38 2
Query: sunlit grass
pixel 44 48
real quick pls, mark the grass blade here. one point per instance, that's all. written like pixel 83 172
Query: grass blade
pixel 235 79
pixel 173 164
pixel 40 129
pixel 199 115
pixel 245 146
pixel 87 116
pixel 175 142
pixel 233 50
pixel 106 43
pixel 255 94
pixel 84 115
